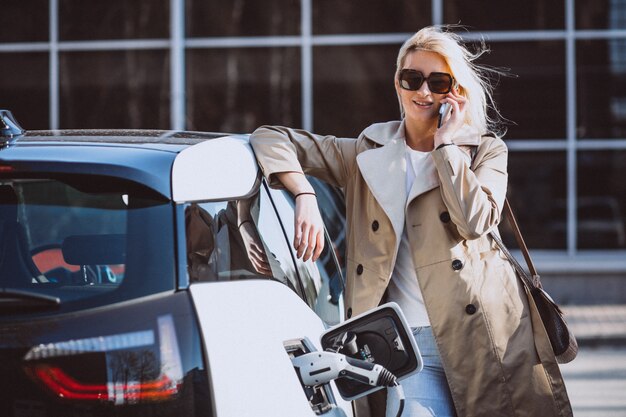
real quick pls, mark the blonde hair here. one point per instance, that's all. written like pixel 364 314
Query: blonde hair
pixel 470 77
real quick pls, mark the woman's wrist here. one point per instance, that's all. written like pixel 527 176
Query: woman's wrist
pixel 441 140
pixel 304 193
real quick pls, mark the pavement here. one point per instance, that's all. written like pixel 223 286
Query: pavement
pixel 597 325
pixel 596 381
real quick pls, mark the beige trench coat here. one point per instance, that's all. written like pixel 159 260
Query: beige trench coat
pixel 496 355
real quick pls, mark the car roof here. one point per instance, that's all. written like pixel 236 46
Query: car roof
pixel 178 165
pixel 171 140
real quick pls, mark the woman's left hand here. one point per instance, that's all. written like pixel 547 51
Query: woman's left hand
pixel 454 121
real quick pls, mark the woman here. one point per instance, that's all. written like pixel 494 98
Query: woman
pixel 421 202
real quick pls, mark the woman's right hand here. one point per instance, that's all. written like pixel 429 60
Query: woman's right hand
pixel 309 228
pixel 455 120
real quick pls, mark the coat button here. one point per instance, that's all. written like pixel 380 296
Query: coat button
pixel 470 309
pixel 444 217
pixel 457 264
pixel 359 269
pixel 375 225
pixel 349 312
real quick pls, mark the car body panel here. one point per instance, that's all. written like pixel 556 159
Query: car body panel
pixel 247 340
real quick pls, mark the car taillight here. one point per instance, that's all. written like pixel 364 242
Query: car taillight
pixel 67 387
pixel 124 368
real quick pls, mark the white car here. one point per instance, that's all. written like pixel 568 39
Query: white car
pixel 151 273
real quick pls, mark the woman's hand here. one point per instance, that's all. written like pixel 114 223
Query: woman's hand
pixel 454 121
pixel 309 237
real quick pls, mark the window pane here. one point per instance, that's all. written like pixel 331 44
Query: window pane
pixel 236 90
pixel 24 21
pixel 372 16
pixel 243 18
pixel 353 88
pixel 506 15
pixel 73 241
pixel 601 88
pixel 600 14
pixel 114 89
pixel 537 193
pixel 601 199
pixel 534 96
pixel 238 239
pixel 24 83
pixel 113 19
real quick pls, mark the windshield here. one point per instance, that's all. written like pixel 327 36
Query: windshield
pixel 87 241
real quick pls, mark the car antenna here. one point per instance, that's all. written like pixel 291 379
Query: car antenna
pixel 10 130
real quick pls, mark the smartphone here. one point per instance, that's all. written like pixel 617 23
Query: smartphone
pixel 444 109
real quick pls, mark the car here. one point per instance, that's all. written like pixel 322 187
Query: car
pixel 148 272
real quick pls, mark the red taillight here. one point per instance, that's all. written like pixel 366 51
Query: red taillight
pixel 45 363
pixel 67 387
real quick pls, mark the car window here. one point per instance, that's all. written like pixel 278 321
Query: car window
pixel 88 240
pixel 322 280
pixel 238 239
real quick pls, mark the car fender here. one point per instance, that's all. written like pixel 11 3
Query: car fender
pixel 244 325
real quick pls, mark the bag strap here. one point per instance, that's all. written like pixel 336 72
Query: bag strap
pixel 519 237
pixel 533 280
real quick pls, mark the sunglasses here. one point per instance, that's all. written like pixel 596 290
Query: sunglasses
pixel 438 82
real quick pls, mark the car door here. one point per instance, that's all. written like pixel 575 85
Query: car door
pixel 254 307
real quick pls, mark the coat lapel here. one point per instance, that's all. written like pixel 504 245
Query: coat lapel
pixel 384 171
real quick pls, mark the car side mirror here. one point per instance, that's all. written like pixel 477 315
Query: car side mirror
pixel 380 336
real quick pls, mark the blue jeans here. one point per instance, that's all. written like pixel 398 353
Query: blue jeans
pixel 427 392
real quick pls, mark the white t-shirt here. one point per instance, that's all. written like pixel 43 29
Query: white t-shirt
pixel 404 288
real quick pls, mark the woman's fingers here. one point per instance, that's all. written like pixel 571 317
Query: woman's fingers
pixel 298 234
pixel 304 241
pixel 458 102
pixel 310 245
pixel 319 246
pixel 315 244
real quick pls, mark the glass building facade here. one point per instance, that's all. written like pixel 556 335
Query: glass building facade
pixel 327 66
